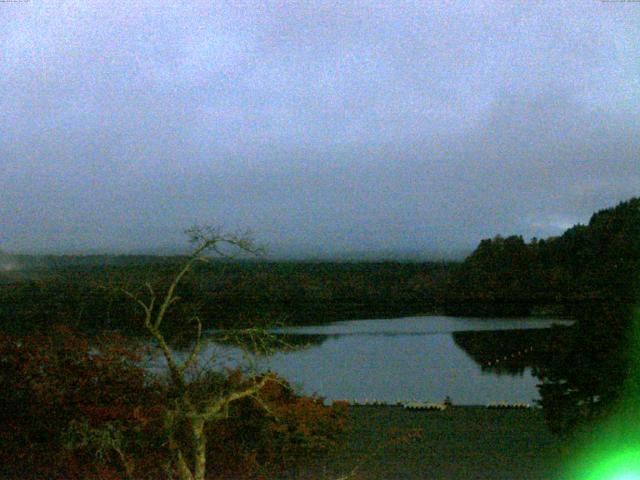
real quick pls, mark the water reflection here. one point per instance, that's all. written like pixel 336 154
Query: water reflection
pixel 473 361
pixel 275 341
pixel 422 325
pixel 507 352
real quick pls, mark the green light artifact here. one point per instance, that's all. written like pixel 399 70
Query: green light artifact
pixel 612 465
pixel 612 450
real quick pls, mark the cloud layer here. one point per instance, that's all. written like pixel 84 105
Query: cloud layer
pixel 326 127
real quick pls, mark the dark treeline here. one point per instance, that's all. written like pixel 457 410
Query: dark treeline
pixel 592 274
pixel 86 291
pixel 585 374
pixel 587 266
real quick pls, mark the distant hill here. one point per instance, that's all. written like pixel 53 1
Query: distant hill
pixel 587 264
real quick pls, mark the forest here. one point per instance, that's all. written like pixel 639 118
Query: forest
pixel 591 274
pixel 86 291
pixel 76 403
pixel 504 276
pixel 587 265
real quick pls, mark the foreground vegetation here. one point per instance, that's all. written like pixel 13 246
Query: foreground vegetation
pixel 75 409
pixel 72 408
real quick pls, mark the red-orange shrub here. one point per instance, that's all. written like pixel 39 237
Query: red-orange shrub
pixel 272 434
pixel 51 382
pixel 75 409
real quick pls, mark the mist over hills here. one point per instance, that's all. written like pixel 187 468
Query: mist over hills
pixel 10 260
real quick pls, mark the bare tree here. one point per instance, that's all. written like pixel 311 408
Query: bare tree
pixel 190 410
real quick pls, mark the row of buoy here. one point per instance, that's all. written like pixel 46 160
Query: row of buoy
pixel 381 403
pixel 425 406
pixel 411 405
pixel 504 405
pixel 367 403
pixel 507 357
pixel 414 405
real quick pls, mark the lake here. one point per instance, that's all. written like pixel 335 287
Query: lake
pixel 413 358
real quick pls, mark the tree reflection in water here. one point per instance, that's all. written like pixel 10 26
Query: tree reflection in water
pixel 509 352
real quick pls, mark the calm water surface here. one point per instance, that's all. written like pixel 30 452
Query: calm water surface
pixel 412 358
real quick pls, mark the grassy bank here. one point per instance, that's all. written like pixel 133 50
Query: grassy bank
pixel 459 443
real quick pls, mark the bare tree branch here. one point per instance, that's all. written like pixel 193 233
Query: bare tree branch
pixel 144 306
pixel 195 351
pixel 197 414
pixel 214 409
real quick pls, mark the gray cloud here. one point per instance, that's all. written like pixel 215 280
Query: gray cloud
pixel 324 126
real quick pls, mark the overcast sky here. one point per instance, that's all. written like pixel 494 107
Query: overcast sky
pixel 326 127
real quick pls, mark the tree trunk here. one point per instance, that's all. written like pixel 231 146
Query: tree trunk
pixel 200 447
pixel 183 469
pixel 184 473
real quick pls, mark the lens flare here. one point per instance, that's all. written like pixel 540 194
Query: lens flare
pixel 617 466
pixel 612 450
